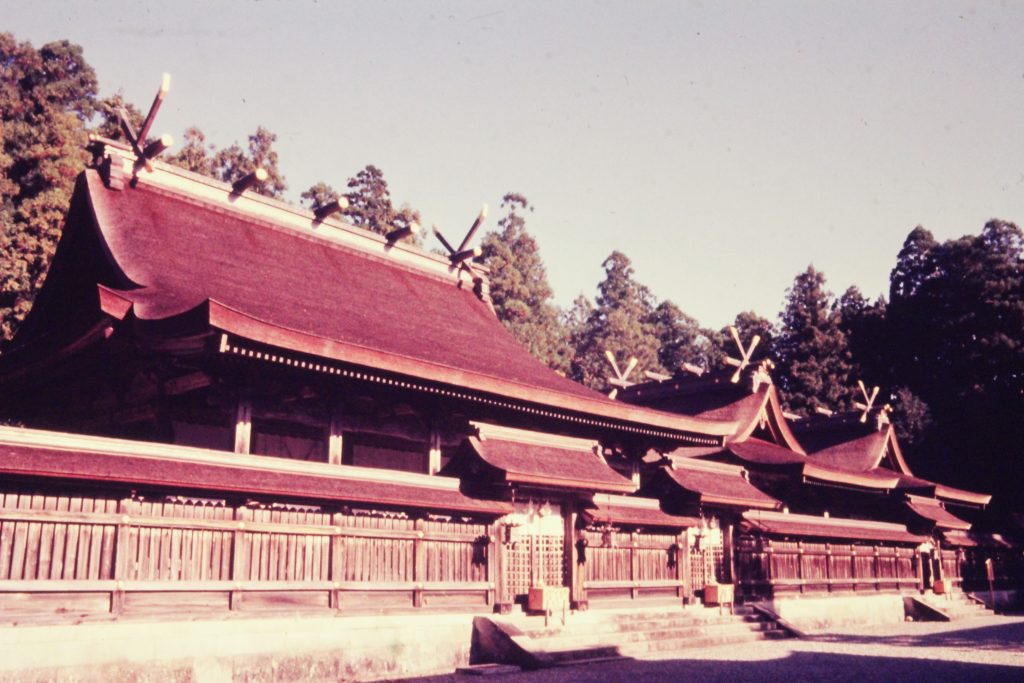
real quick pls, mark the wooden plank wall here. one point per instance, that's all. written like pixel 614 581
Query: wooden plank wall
pixel 633 565
pixel 75 553
pixel 767 566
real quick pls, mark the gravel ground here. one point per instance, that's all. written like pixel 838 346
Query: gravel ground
pixel 978 649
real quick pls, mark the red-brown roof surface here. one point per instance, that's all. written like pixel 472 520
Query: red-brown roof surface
pixel 949 493
pixel 965 539
pixel 714 396
pixel 825 527
pixel 528 463
pixel 932 510
pixel 757 452
pixel 604 512
pixel 175 468
pixel 725 486
pixel 165 253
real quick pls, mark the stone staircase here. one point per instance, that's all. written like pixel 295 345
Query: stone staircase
pixel 602 635
pixel 954 606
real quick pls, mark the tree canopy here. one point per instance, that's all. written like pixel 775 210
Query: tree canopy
pixel 519 285
pixel 46 98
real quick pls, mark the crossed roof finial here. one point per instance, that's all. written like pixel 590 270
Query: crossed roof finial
pixel 459 256
pixel 143 155
pixel 745 354
pixel 869 400
pixel 621 378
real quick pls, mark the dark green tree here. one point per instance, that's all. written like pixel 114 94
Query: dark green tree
pixel 319 195
pixel 748 325
pixel 46 98
pixel 232 163
pixel 957 323
pixel 194 154
pixel 681 340
pixel 622 322
pixel 519 285
pixel 813 359
pixel 370 204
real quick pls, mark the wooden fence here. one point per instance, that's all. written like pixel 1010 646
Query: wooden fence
pixel 72 553
pixel 766 567
pixel 622 565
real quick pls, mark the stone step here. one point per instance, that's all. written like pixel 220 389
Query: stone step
pixel 710 640
pixel 591 643
pixel 629 626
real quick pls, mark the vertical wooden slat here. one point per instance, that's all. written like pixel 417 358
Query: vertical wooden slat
pixel 337 558
pixel 243 426
pixel 419 564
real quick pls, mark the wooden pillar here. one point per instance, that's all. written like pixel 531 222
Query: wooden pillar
pixel 419 565
pixel 238 559
pixel 496 564
pixel 728 561
pixel 683 566
pixel 434 455
pixel 243 426
pixel 122 547
pixel 800 564
pixel 336 440
pixel 828 567
pixel 878 578
pixel 573 575
pixel 634 565
pixel 337 561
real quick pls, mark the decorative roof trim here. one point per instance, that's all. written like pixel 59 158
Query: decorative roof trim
pixel 519 397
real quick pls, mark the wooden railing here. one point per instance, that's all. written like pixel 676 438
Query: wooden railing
pixel 70 553
pixel 767 567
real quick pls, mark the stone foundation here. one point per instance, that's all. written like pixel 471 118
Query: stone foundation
pixel 255 649
pixel 812 614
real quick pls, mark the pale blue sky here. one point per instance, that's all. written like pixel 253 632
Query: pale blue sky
pixel 722 146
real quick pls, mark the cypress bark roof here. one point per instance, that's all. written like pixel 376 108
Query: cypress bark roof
pixel 784 524
pixel 177 251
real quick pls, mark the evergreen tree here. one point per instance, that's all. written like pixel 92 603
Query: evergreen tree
pixel 46 98
pixel 748 325
pixel 622 322
pixel 320 195
pixel 370 205
pixel 519 285
pixel 682 340
pixel 232 163
pixel 814 363
pixel 195 154
pixel 957 322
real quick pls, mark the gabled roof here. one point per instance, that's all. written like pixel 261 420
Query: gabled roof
pixel 762 453
pixel 784 524
pixel 524 457
pixel 933 511
pixel 847 444
pixel 713 483
pixel 714 396
pixel 176 254
pixel 947 493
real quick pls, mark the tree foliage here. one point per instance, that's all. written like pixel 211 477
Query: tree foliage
pixel 46 98
pixel 519 285
pixel 812 355
pixel 621 322
pixel 370 205
pixel 234 162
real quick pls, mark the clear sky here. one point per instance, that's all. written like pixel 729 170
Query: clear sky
pixel 723 146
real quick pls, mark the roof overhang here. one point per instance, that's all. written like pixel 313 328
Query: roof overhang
pixel 785 524
pixel 61 456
